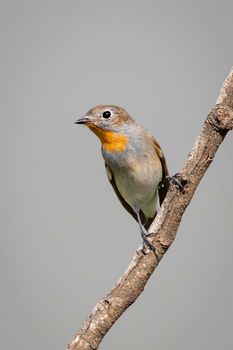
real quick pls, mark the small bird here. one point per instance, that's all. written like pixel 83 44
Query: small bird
pixel 134 162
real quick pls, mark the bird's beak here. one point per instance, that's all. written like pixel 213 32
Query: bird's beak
pixel 84 120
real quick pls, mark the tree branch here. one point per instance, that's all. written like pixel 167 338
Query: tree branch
pixel 164 228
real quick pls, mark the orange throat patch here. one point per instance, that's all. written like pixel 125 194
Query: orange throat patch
pixel 111 141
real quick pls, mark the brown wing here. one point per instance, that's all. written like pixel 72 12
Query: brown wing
pixel 163 187
pixel 121 199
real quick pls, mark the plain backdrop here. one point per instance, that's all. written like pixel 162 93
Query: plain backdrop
pixel 65 239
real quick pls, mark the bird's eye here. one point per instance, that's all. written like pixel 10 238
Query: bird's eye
pixel 106 114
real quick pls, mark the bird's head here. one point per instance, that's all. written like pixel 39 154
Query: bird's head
pixel 111 124
pixel 108 117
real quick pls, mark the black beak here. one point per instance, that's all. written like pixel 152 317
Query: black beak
pixel 84 120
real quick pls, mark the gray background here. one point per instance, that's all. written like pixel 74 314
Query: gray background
pixel 65 239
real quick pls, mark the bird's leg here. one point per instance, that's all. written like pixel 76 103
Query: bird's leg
pixel 148 234
pixel 144 233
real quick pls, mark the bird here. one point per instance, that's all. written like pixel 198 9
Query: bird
pixel 134 162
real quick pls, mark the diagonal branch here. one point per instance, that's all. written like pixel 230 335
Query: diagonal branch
pixel 164 228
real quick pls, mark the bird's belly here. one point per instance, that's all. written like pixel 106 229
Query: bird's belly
pixel 138 186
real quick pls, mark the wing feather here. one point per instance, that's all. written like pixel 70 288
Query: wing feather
pixel 163 187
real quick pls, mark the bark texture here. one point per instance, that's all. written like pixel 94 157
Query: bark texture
pixel 164 228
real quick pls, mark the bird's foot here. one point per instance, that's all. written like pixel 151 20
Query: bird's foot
pixel 177 181
pixel 147 243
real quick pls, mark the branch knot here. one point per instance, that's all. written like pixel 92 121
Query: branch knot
pixel 221 119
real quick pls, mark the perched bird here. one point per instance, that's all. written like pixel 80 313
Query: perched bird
pixel 134 162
